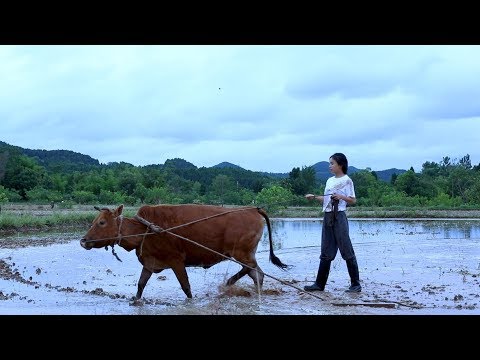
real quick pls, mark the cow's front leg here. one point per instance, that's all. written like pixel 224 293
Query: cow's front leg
pixel 142 282
pixel 182 277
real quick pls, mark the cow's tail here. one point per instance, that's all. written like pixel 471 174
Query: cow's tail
pixel 273 258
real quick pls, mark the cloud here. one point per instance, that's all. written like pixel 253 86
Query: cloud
pixel 265 108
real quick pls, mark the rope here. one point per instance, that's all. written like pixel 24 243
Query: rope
pixel 159 230
pixel 194 221
pixel 172 228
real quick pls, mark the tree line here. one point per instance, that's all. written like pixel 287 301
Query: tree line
pixel 450 183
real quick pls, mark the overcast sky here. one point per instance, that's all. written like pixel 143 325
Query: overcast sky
pixel 265 108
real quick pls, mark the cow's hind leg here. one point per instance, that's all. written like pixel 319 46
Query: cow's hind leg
pixel 182 277
pixel 257 276
pixel 243 271
pixel 253 271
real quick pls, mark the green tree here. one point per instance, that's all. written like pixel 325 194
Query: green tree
pixel 460 179
pixel 3 195
pixel 22 174
pixel 407 183
pixel 274 198
pixel 40 194
pixel 140 192
pixel 4 155
pixel 223 189
pixel 363 180
pixel 84 197
pixel 247 197
pixel 465 162
pixel 301 181
pixel 393 178
pixel 153 176
pixel 107 197
pixel 158 195
pixel 431 169
pixel 58 183
pixel 472 193
pixel 127 182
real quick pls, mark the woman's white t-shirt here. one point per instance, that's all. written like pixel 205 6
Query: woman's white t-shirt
pixel 342 185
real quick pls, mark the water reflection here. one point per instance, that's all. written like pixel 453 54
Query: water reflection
pixel 291 233
pixel 299 232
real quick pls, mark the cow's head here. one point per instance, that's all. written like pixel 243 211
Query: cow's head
pixel 104 229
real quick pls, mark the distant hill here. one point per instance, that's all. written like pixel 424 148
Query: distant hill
pixel 49 158
pixel 322 172
pixel 60 160
pixel 179 164
pixel 276 175
pixel 386 175
pixel 67 160
pixel 225 164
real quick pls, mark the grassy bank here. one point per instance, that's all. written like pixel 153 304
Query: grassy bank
pixel 367 212
pixel 14 218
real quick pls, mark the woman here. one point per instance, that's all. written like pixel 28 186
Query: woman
pixel 339 192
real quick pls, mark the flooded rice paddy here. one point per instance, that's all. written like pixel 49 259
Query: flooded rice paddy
pixel 411 267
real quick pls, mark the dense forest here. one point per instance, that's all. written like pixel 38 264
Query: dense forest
pixel 64 178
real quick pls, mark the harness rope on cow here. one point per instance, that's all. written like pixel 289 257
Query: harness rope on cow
pixel 158 230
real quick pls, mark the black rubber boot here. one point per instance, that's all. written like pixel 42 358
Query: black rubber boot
pixel 352 267
pixel 322 276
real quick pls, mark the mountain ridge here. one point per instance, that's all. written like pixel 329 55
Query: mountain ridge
pixel 49 158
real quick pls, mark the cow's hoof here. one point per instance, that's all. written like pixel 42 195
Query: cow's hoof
pixel 135 302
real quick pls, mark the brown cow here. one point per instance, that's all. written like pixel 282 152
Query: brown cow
pixel 185 235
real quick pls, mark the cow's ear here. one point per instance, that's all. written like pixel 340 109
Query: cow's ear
pixel 119 210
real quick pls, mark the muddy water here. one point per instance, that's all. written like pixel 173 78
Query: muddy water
pixel 406 267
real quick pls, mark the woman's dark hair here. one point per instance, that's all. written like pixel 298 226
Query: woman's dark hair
pixel 341 160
